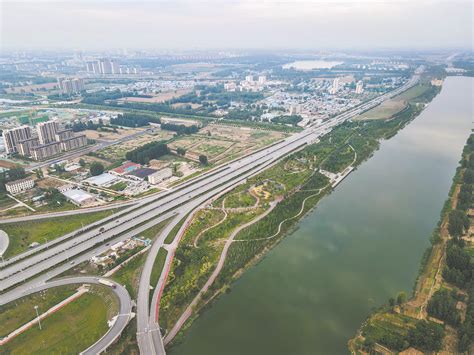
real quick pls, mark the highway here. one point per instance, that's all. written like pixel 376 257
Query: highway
pixel 123 317
pixel 53 258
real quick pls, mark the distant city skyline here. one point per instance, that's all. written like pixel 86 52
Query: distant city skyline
pixel 259 24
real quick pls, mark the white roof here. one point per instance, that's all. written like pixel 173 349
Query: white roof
pixel 101 179
pixel 77 195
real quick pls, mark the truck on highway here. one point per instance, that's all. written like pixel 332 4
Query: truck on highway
pixel 106 283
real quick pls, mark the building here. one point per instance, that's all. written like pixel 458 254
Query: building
pixel 104 179
pixel 13 136
pixel 17 186
pixel 125 168
pixel 78 197
pixel 160 175
pixel 47 131
pixel 140 174
pixel 334 87
pixel 73 143
pixel 262 79
pixel 71 86
pixel 63 134
pixel 25 146
pixel 249 78
pixel 359 87
pixel 45 151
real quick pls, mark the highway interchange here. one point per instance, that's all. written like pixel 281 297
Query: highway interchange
pixel 31 270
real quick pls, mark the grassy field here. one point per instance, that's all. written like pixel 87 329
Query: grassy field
pixel 240 199
pixel 158 266
pixel 68 331
pixel 383 111
pixel 13 315
pixel 23 234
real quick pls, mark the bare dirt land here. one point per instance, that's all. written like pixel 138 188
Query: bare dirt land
pixel 223 143
pixel 111 136
pixel 158 98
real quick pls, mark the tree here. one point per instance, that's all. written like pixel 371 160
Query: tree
pixel 181 151
pixel 426 336
pixel 96 169
pixel 457 223
pixel 401 298
pixel 82 163
pixel 391 302
pixel 203 159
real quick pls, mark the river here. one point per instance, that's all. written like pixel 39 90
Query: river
pixel 360 246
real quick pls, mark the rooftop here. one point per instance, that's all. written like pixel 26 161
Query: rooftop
pixel 142 172
pixel 126 168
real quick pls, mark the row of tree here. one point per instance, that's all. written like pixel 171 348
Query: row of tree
pixel 143 154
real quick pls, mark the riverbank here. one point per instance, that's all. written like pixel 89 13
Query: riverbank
pixel 294 180
pixel 443 298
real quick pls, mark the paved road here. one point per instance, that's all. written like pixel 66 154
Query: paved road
pixel 4 241
pixel 122 319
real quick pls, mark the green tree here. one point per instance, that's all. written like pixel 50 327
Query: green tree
pixel 181 151
pixel 82 162
pixel 96 169
pixel 401 298
pixel 203 159
pixel 457 223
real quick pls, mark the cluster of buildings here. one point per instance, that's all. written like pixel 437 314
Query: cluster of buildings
pixel 108 259
pixel 51 140
pixel 71 86
pixel 249 84
pixel 108 66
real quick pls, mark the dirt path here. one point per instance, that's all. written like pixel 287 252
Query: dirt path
pixel 189 310
pixel 196 239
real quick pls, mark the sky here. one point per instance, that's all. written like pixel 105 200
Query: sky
pixel 236 24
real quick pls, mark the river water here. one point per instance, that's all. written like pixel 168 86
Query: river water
pixel 360 246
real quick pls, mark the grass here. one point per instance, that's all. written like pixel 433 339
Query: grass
pixel 119 186
pixel 70 330
pixel 23 234
pixel 14 314
pixel 242 199
pixel 158 266
pixel 383 111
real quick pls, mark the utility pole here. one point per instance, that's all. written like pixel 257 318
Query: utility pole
pixel 37 315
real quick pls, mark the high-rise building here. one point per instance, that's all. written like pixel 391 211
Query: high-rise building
pixel 262 79
pixel 71 86
pixel 105 66
pixel 249 78
pixel 73 143
pixel 13 136
pixel 359 87
pixel 46 151
pixel 63 134
pixel 25 146
pixel 334 87
pixel 115 67
pixel 47 131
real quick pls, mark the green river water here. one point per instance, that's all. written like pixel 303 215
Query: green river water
pixel 360 246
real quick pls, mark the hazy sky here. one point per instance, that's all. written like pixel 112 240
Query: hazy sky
pixel 266 24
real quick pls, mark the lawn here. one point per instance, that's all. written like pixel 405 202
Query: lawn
pixel 14 314
pixel 158 266
pixel 23 234
pixel 240 199
pixel 70 330
pixel 383 111
pixel 129 275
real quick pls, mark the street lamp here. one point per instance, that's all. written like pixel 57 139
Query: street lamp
pixel 37 315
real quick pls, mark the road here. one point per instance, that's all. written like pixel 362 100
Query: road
pixel 54 257
pixel 123 317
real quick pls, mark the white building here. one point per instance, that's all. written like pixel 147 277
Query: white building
pixel 78 197
pixel 335 86
pixel 160 175
pixel 249 78
pixel 262 79
pixel 359 87
pixel 17 186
